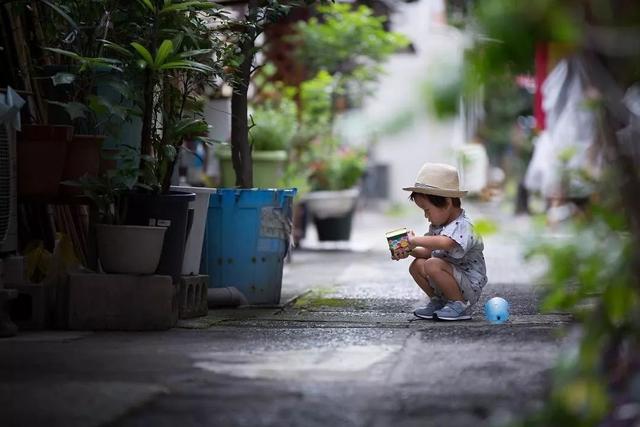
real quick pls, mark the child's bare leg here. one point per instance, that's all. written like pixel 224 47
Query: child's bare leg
pixel 417 271
pixel 441 272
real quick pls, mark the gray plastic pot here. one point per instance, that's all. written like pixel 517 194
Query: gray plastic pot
pixel 129 249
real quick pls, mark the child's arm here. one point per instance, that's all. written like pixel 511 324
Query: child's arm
pixel 430 242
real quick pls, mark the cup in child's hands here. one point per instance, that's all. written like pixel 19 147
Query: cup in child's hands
pixel 398 242
pixel 496 310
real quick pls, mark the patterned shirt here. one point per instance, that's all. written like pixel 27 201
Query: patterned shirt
pixel 467 255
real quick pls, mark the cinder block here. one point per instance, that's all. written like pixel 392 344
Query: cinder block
pixel 121 302
pixel 192 296
pixel 7 327
pixel 34 306
pixel 14 270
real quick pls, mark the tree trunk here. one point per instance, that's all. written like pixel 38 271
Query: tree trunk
pixel 240 149
pixel 147 115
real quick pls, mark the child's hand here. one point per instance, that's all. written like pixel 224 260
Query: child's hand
pixel 400 254
pixel 411 238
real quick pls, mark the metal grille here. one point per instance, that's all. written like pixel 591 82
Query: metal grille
pixel 5 182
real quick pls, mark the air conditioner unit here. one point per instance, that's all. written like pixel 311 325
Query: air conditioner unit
pixel 10 104
pixel 8 192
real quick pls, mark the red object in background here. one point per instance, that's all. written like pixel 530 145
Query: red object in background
pixel 541 64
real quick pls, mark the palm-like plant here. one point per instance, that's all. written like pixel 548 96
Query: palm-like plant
pixel 174 60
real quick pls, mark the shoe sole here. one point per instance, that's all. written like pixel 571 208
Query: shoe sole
pixel 421 316
pixel 451 319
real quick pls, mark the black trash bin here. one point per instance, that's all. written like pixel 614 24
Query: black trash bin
pixel 164 210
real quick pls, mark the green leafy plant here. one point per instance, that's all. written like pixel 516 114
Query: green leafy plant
pixel 274 125
pixel 173 57
pixel 334 167
pixel 596 278
pixel 74 35
pixel 109 191
pixel 349 43
pixel 242 48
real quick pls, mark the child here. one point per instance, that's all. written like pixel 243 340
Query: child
pixel 448 265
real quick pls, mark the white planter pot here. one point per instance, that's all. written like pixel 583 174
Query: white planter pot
pixel 129 249
pixel 193 248
pixel 331 204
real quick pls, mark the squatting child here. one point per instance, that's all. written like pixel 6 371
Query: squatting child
pixel 449 265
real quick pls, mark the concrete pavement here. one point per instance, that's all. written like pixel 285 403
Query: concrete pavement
pixel 346 351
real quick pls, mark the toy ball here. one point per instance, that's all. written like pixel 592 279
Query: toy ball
pixel 496 310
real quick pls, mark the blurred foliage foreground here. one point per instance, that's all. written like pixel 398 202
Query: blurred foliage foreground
pixel 594 274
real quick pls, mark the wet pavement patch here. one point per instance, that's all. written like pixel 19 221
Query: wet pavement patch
pixel 312 364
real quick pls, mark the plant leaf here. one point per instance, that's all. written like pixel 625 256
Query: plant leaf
pixel 143 52
pixel 66 53
pixel 63 78
pixel 148 5
pixel 186 65
pixel 196 52
pixel 61 12
pixel 165 49
pixel 485 227
pixel 116 48
pixel 186 5
pixel 75 110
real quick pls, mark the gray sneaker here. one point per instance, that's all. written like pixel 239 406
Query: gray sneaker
pixel 427 312
pixel 454 310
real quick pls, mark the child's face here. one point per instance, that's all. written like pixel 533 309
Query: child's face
pixel 435 215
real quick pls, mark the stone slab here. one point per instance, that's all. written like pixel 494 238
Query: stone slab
pixel 121 302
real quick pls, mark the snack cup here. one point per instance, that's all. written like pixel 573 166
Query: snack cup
pixel 398 240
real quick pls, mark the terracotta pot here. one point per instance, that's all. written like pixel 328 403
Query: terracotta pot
pixel 41 150
pixel 83 156
pixel 108 159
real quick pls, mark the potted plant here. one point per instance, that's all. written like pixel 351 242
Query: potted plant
pixel 94 117
pixel 273 126
pixel 76 71
pixel 335 172
pixel 249 228
pixel 342 48
pixel 172 58
pixel 348 42
pixel 127 249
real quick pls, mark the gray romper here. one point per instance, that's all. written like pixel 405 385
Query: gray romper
pixel 467 260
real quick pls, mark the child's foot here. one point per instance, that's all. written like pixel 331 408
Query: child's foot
pixel 427 312
pixel 454 310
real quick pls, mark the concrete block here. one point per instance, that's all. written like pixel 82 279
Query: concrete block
pixel 34 305
pixel 192 296
pixel 121 302
pixel 14 271
pixel 7 327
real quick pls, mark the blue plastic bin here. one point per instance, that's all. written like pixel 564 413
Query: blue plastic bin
pixel 246 241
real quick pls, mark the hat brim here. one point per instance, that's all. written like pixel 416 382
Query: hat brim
pixel 436 191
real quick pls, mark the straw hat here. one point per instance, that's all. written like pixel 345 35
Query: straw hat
pixel 437 179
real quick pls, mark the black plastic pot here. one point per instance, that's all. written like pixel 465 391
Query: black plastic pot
pixel 164 210
pixel 334 229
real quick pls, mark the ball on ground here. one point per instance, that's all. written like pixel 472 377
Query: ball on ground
pixel 496 310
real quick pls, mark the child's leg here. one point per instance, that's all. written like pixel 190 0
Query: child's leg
pixel 416 269
pixel 440 273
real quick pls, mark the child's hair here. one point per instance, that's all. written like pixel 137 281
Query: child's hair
pixel 438 201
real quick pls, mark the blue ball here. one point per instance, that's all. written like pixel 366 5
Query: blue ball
pixel 496 310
